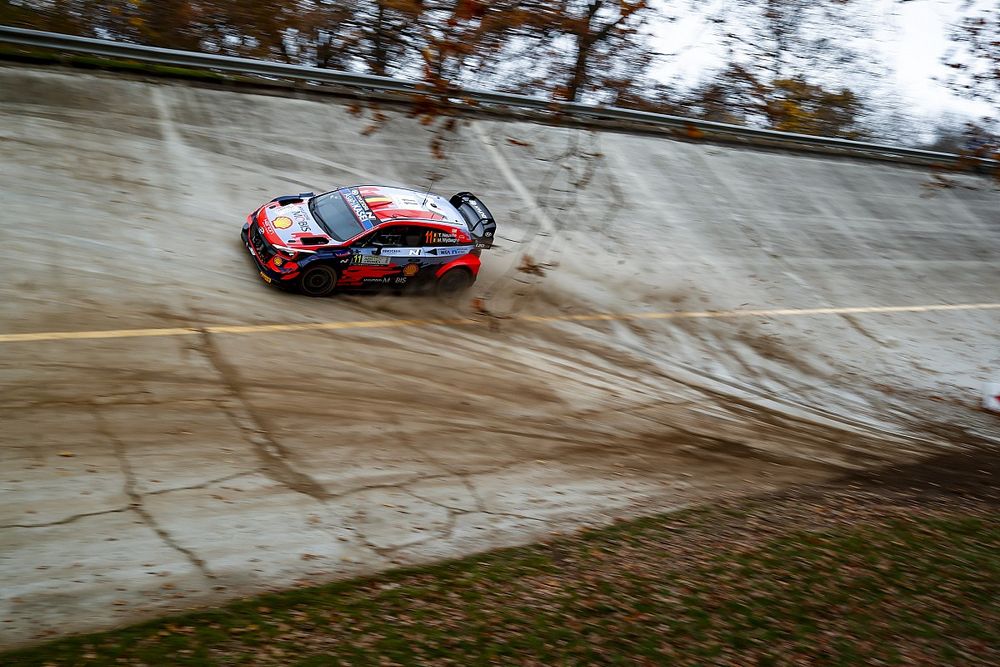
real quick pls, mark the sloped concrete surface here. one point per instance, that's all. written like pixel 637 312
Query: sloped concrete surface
pixel 143 475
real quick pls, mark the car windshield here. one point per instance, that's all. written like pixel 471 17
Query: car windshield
pixel 333 214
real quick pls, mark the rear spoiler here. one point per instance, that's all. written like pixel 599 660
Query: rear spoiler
pixel 482 226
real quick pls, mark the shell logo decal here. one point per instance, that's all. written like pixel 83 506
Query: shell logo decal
pixel 410 269
pixel 283 222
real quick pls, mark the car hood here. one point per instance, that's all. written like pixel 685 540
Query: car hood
pixel 290 224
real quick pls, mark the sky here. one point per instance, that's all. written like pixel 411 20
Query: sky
pixel 910 39
pixel 921 40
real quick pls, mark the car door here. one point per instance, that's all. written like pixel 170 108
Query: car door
pixel 408 255
pixel 403 254
pixel 425 248
pixel 369 267
pixel 443 245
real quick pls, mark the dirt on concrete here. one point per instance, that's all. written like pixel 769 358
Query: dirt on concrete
pixel 972 474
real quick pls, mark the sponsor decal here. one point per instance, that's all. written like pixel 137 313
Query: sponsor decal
pixel 267 279
pixel 448 252
pixel 478 209
pixel 278 261
pixel 358 205
pixel 411 270
pixel 402 252
pixel 282 223
pixel 300 218
pixel 371 260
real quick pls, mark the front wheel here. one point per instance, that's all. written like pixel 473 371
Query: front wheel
pixel 318 281
pixel 453 282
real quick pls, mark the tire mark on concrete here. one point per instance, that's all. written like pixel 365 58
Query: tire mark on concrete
pixel 857 326
pixel 701 381
pixel 540 225
pixel 574 167
pixel 51 403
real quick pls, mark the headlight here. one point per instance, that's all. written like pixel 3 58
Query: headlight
pixel 292 253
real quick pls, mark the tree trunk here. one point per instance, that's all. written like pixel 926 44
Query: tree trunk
pixel 579 77
pixel 380 50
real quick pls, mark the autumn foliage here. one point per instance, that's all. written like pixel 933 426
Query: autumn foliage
pixel 592 51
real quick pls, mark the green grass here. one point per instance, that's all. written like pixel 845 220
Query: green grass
pixel 678 589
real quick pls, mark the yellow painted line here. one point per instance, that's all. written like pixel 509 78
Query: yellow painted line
pixel 244 329
pixel 78 335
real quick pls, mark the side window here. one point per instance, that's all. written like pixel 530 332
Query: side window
pixel 391 237
pixel 439 237
pixel 413 237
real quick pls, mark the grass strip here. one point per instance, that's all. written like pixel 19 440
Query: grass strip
pixel 743 584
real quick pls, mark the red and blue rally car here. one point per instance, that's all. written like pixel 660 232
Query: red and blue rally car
pixel 369 237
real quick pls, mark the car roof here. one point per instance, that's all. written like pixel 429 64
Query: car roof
pixel 394 204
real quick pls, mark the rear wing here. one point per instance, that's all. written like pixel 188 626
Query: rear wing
pixel 482 226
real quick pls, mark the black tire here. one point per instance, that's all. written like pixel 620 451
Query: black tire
pixel 318 281
pixel 453 282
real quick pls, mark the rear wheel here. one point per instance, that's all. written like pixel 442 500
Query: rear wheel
pixel 318 281
pixel 453 282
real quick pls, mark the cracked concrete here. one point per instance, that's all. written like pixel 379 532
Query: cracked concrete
pixel 136 499
pixel 141 476
pixel 222 447
pixel 62 472
pixel 273 457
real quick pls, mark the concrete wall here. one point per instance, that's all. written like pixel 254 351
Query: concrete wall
pixel 617 371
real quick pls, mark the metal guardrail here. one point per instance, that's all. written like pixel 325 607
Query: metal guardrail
pixel 252 67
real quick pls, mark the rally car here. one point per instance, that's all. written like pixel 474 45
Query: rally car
pixel 369 237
